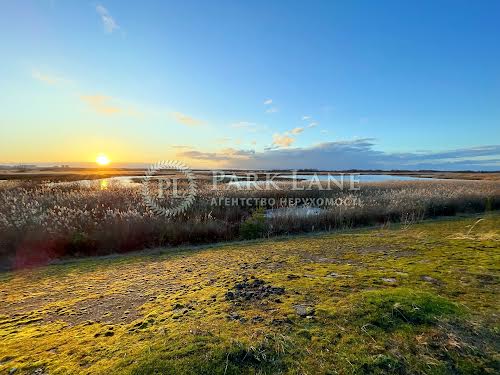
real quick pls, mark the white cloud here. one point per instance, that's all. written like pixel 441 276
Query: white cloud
pixel 305 118
pixel 268 102
pixel 312 125
pixel 272 110
pixel 108 22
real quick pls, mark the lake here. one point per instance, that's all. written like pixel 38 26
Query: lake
pixel 358 177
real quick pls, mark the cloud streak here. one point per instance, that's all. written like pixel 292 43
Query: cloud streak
pixel 49 79
pixel 101 104
pixel 297 130
pixel 228 154
pixel 186 120
pixel 250 126
pixel 108 21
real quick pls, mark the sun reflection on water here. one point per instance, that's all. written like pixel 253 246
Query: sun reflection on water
pixel 104 184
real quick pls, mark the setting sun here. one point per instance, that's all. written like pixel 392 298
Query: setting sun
pixel 102 160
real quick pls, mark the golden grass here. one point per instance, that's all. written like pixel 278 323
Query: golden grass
pixel 418 299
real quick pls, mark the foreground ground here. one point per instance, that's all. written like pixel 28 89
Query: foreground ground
pixel 417 299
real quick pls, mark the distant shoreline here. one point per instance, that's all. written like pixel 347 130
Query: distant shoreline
pixel 78 173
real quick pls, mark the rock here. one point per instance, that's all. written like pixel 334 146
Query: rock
pixel 293 277
pixel 257 319
pixel 304 311
pixel 430 279
pixel 389 279
pixel 234 316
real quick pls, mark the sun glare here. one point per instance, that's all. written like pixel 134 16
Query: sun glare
pixel 102 160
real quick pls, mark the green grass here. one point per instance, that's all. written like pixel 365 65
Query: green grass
pixel 403 300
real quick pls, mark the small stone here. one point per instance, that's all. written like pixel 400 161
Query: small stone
pixel 304 311
pixel 233 316
pixel 430 279
pixel 257 319
pixel 389 279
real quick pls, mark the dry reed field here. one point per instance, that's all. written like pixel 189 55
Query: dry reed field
pixel 44 221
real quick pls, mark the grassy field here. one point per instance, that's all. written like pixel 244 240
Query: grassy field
pixel 403 299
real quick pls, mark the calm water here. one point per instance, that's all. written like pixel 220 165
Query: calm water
pixel 360 178
pixel 126 180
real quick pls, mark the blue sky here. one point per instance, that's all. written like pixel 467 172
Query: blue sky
pixel 261 83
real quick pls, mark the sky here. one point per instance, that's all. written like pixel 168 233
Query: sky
pixel 252 84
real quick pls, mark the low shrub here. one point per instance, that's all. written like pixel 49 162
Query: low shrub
pixel 254 226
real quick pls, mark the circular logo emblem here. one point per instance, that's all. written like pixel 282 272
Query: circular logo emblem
pixel 168 194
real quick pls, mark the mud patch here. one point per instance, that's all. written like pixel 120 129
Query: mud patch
pixel 254 290
pixel 110 309
pixel 405 253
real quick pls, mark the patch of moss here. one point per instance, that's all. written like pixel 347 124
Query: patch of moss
pixel 202 358
pixel 390 309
